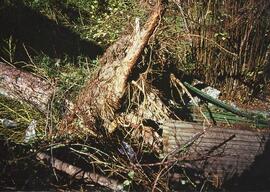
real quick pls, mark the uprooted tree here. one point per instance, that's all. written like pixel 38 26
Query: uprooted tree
pixel 118 99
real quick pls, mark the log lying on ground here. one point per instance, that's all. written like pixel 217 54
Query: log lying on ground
pixel 78 173
pixel 220 153
pixel 24 86
pixel 103 94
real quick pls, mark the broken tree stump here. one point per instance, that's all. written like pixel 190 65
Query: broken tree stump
pixel 220 153
pixel 103 93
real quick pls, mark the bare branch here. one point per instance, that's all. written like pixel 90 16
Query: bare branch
pixel 78 173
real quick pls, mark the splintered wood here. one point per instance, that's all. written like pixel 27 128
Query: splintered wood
pixel 103 94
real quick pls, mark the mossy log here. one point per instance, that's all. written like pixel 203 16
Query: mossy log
pixel 24 86
pixel 221 153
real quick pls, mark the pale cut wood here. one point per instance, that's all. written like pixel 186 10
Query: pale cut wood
pixel 24 86
pixel 219 152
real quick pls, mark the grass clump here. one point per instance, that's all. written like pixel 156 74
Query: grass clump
pixel 99 21
pixel 22 114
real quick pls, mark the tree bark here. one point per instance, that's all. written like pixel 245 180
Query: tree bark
pixel 24 86
pixel 103 93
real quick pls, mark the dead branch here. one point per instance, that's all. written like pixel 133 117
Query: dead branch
pixel 78 173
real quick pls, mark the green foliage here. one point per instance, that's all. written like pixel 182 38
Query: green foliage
pixel 22 114
pixel 127 183
pixel 101 21
pixel 97 21
pixel 7 50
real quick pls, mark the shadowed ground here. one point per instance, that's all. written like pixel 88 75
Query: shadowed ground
pixel 42 35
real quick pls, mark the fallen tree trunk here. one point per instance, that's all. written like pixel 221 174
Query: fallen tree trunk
pixel 24 86
pixel 220 153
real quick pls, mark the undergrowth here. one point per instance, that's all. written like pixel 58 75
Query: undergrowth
pixel 22 114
